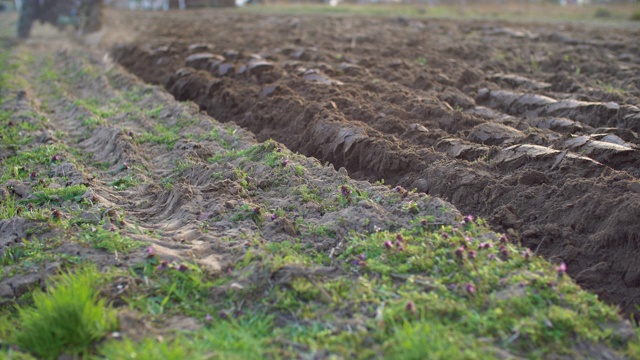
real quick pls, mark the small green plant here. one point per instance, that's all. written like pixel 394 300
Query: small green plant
pixel 112 241
pixel 602 13
pixel 68 318
pixel 69 193
pixel 160 135
pixel 308 194
pixel 93 122
pixel 155 112
pixel 8 208
pixel 350 195
pixel 93 105
pixel 534 66
pixel 248 212
pixel 421 61
pixel 124 183
pixel 610 89
pixel 25 250
pixel 635 16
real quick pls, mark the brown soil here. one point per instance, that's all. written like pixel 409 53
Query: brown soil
pixel 534 127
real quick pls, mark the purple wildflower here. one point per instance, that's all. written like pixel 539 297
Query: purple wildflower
pixel 460 252
pixel 468 219
pixel 561 269
pixel 363 256
pixel 410 307
pixel 208 318
pixel 345 190
pixel 503 251
pixel 527 254
pixel 56 214
pixel 163 265
pixel 453 286
pixel 55 158
pixel 470 288
pixel 285 162
pixel 33 175
pixel 472 254
pixel 182 268
pixel 388 245
pixel 423 222
pixel 278 150
pixel 273 217
pixel 491 256
pixel 223 315
pixel 150 252
pixel 504 239
pixel 444 235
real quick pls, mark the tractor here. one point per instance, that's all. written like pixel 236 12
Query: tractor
pixel 84 15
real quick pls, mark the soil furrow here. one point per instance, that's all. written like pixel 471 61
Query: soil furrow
pixel 404 104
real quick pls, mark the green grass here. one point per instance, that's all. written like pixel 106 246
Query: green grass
pixel 246 338
pixel 8 208
pixel 70 193
pixel 429 340
pixel 20 165
pixel 94 106
pixel 112 241
pixel 172 288
pixel 161 135
pixel 32 251
pixel 248 212
pixel 455 300
pixel 68 318
pixel 15 130
pixel 124 182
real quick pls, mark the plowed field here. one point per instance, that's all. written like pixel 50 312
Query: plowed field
pixel 533 127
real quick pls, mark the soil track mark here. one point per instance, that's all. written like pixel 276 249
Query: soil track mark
pixel 551 152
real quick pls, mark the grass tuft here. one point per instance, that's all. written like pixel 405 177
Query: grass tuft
pixel 68 318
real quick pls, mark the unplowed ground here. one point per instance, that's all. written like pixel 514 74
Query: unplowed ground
pixel 534 127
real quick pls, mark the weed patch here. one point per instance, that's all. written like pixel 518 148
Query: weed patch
pixel 112 241
pixel 67 318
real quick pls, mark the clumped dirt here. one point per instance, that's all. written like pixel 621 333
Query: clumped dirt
pixel 534 127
